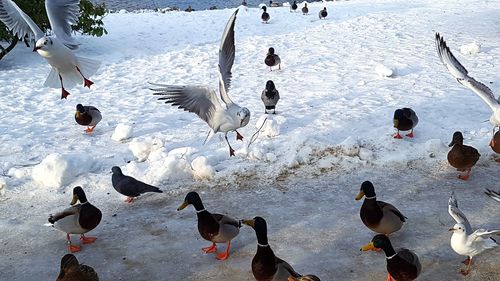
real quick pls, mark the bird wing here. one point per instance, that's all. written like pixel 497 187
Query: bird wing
pixel 226 59
pixel 223 219
pixel 67 212
pixel 281 263
pixel 493 194
pixel 132 185
pixel 485 233
pixel 62 14
pixel 461 74
pixel 391 208
pixel 198 99
pixel 18 22
pixel 457 215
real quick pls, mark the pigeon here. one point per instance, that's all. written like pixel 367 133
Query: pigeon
pixel 67 69
pixel 305 10
pixel 323 13
pixel 129 186
pixel 87 116
pixel 464 241
pixel 265 15
pixel 270 97
pixel 203 100
pixel 461 74
pixel 272 59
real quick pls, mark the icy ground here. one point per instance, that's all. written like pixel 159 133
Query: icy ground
pixel 332 131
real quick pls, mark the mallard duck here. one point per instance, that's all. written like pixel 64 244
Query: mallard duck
pixel 272 59
pixel 129 186
pixel 305 10
pixel 402 264
pixel 462 157
pixel 405 119
pixel 466 242
pixel 87 116
pixel 378 216
pixel 265 15
pixel 293 7
pixel 458 71
pixel 495 144
pixel 215 228
pixel 323 13
pixel 304 278
pixel 265 265
pixel 270 97
pixel 78 219
pixel 71 270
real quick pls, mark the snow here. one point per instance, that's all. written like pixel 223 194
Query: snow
pixel 383 71
pixel 332 131
pixel 470 49
pixel 122 132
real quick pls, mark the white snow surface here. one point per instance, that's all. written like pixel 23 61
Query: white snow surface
pixel 470 49
pixel 333 130
pixel 122 132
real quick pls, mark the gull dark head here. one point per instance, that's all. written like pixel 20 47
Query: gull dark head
pixel 244 115
pixel 270 85
pixel 44 43
pixel 458 138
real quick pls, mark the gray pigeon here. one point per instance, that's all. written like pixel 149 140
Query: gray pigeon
pixel 129 186
pixel 270 97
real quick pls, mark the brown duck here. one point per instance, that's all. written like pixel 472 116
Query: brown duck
pixel 402 264
pixel 379 216
pixel 71 270
pixel 462 157
pixel 215 228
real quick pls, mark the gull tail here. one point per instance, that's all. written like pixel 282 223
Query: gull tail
pixel 88 67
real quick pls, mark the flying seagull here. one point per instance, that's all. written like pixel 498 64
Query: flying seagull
pixel 67 69
pixel 461 74
pixel 203 100
pixel 464 241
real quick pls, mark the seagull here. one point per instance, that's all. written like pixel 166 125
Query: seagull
pixel 464 241
pixel 495 195
pixel 203 100
pixel 461 74
pixel 67 69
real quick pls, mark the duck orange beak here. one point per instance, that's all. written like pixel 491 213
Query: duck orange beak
pixel 360 195
pixel 183 205
pixel 368 247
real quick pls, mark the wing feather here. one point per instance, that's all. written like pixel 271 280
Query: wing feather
pixel 461 74
pixel 18 22
pixel 226 58
pixel 493 194
pixel 197 99
pixel 457 215
pixel 62 14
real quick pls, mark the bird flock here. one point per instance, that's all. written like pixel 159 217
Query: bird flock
pixel 380 217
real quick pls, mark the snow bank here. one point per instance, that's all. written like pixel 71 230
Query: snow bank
pixel 470 49
pixel 122 132
pixel 270 128
pixel 201 169
pixel 57 170
pixel 383 71
pixel 141 148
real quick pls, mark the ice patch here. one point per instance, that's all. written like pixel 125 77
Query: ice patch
pixel 470 49
pixel 201 169
pixel 122 132
pixel 3 187
pixel 383 71
pixel 57 170
pixel 141 148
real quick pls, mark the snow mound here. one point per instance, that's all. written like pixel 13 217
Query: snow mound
pixel 57 170
pixel 122 132
pixel 350 147
pixel 201 169
pixel 383 71
pixel 470 49
pixel 3 187
pixel 270 128
pixel 141 148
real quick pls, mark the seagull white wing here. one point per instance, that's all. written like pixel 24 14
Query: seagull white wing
pixel 18 22
pixel 457 215
pixel 461 74
pixel 493 194
pixel 197 99
pixel 62 14
pixel 226 58
pixel 486 233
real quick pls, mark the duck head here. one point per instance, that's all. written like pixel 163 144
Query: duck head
pixel 379 241
pixel 79 110
pixel 192 198
pixel 78 195
pixel 270 52
pixel 458 138
pixel 260 226
pixel 367 189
